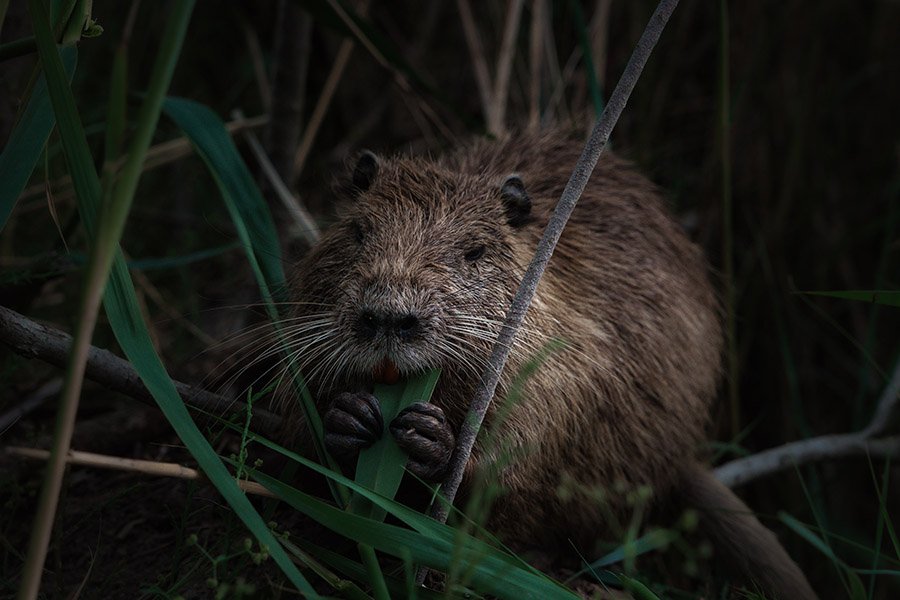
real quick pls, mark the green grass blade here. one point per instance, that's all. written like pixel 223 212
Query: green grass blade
pixel 27 140
pixel 251 218
pixel 380 467
pixel 243 200
pixel 124 314
pixel 314 563
pixel 885 297
pixel 496 573
pixel 637 589
pixel 410 517
pixel 654 540
pixel 356 571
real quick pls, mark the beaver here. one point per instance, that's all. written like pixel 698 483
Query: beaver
pixel 417 274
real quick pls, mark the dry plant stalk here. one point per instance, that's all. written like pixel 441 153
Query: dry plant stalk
pixel 494 95
pixel 304 224
pixel 147 467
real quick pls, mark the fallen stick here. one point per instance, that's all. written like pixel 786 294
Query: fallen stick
pixel 34 340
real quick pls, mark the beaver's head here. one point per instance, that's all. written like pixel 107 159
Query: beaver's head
pixel 417 273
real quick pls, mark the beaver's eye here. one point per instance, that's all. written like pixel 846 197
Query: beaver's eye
pixel 474 254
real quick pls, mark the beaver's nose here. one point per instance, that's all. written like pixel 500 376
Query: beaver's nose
pixel 372 322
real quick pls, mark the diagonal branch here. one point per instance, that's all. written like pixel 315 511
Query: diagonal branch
pixel 526 291
pixel 34 340
pixel 796 454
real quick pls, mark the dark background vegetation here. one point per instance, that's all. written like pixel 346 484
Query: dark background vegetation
pixel 814 153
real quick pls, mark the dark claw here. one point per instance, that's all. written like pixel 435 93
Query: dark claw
pixel 423 432
pixel 353 423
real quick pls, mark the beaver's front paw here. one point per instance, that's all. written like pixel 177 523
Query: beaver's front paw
pixel 423 432
pixel 353 423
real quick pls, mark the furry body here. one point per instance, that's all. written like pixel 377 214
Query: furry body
pixel 436 250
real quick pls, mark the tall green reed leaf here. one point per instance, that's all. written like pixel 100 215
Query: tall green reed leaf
pixel 27 140
pixel 250 216
pixel 119 298
pixel 495 573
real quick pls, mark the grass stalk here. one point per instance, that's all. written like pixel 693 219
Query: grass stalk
pixel 109 229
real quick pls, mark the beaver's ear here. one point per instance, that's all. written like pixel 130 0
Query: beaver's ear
pixel 515 201
pixel 365 171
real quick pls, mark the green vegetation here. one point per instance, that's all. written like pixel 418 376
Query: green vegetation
pixel 774 128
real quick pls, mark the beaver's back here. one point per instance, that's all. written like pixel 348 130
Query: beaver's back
pixel 629 291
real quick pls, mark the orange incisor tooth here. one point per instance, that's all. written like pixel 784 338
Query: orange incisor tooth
pixel 386 372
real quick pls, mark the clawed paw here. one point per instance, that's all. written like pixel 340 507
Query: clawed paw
pixel 353 423
pixel 423 432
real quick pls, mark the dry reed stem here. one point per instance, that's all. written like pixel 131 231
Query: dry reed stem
pixel 322 105
pixel 254 49
pixel 500 97
pixel 535 54
pixel 147 467
pixel 479 62
pixel 600 34
pixel 157 155
pixel 304 225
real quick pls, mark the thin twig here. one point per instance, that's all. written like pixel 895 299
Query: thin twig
pixel 254 49
pixel 322 105
pixel 157 155
pixel 552 233
pixel 156 296
pixel 292 51
pixel 796 454
pixel 866 441
pixel 304 225
pixel 34 340
pixel 147 467
pixel 500 97
pixel 328 90
pixel 887 407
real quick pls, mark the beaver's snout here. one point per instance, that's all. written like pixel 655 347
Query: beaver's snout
pixel 371 323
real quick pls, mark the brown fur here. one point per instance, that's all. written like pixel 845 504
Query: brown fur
pixel 624 405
